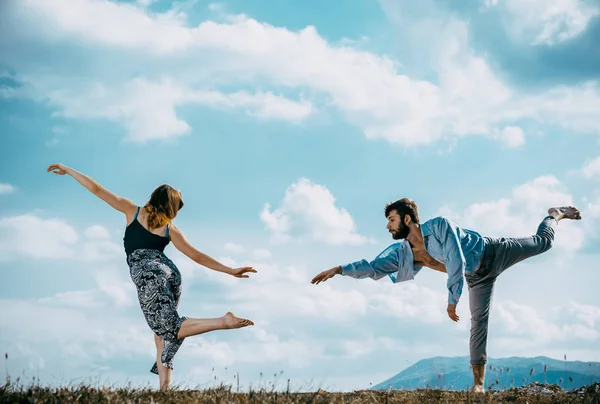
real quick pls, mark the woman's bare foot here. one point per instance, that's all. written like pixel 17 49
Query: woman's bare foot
pixel 477 388
pixel 565 212
pixel 230 321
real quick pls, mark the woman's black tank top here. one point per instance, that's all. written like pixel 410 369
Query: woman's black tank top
pixel 137 237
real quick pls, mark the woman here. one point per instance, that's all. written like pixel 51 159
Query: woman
pixel 158 281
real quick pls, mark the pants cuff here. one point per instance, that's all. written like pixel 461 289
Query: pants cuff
pixel 549 217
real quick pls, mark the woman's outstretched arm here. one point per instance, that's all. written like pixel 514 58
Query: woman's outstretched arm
pixel 117 202
pixel 181 243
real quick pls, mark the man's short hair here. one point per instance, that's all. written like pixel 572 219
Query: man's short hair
pixel 404 207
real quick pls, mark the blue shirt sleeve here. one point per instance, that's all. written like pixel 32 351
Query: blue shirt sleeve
pixel 384 264
pixel 447 233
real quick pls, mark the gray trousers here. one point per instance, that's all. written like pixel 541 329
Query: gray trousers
pixel 499 254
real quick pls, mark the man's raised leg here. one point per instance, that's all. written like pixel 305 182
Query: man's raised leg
pixel 510 251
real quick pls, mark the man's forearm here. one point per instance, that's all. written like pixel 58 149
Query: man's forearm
pixel 364 269
pixel 454 292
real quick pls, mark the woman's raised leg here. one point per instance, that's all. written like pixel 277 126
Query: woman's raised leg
pixel 196 326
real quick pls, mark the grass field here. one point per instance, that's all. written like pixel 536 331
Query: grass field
pixel 84 394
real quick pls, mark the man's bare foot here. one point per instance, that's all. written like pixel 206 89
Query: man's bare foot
pixel 230 321
pixel 478 377
pixel 565 212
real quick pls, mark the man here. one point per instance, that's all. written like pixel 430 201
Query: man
pixel 442 245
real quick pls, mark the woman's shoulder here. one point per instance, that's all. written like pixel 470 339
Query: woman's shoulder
pixel 174 230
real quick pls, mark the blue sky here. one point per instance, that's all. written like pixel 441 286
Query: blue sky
pixel 288 127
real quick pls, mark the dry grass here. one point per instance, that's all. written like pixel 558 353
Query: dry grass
pixel 85 394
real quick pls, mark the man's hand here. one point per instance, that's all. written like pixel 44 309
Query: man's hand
pixel 452 312
pixel 323 276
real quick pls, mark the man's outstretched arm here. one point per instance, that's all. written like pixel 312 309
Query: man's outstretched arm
pixel 384 264
pixel 323 276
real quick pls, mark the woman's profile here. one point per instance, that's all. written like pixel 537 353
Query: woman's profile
pixel 158 281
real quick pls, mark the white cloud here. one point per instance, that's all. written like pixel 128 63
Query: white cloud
pixel 571 108
pixel 146 3
pixel 591 215
pixel 96 232
pixel 593 208
pixel 33 237
pixel 412 300
pixel 52 142
pixel 286 289
pixel 470 89
pixel 6 189
pixel 588 314
pixel 59 130
pixel 591 169
pixel 191 271
pixel 546 22
pixel 100 247
pixel 234 248
pixel 35 359
pixel 216 7
pixel 511 136
pixel 120 290
pixel 262 105
pixel 261 253
pixel 260 347
pixel 358 348
pixel 476 101
pixel 99 250
pixel 472 98
pixel 147 29
pixel 469 100
pixel 102 333
pixel 568 322
pixel 148 108
pixel 82 299
pixel 520 214
pixel 308 211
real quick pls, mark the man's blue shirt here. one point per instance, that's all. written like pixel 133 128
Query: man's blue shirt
pixel 460 250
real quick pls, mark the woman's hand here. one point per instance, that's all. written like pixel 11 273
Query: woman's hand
pixel 59 169
pixel 241 272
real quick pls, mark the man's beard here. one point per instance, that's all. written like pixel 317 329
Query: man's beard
pixel 403 232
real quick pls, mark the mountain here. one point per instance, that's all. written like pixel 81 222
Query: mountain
pixel 455 373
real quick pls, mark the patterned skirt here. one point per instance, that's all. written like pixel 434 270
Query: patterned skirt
pixel 158 283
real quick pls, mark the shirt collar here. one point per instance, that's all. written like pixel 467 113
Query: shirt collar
pixel 425 229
